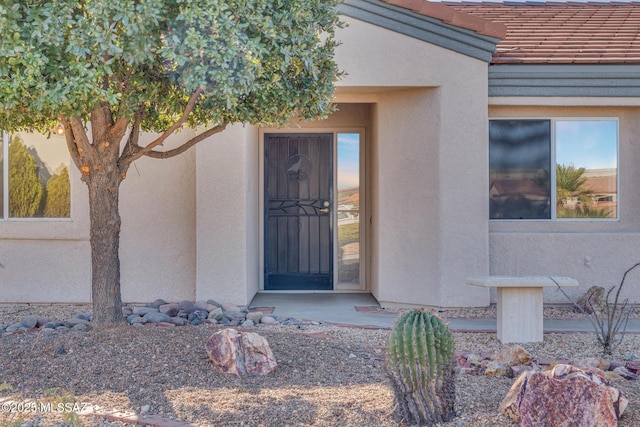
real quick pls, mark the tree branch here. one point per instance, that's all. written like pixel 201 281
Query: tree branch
pixel 71 143
pixel 184 147
pixel 138 151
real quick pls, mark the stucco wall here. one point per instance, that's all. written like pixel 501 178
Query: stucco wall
pixel 227 216
pixel 50 261
pixel 593 252
pixel 157 247
pixel 429 220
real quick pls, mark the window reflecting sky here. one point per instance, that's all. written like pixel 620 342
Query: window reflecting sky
pixel 348 160
pixel 588 144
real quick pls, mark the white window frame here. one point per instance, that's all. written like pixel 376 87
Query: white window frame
pixel 553 166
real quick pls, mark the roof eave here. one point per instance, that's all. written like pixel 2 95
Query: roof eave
pixel 479 43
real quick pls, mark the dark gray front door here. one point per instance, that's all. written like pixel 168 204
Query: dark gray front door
pixel 298 189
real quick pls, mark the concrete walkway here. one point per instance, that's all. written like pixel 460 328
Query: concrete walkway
pixel 362 309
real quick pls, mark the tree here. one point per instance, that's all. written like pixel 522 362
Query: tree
pixel 58 202
pixel 569 182
pixel 26 192
pixel 128 66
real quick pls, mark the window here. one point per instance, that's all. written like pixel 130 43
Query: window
pixel 348 175
pixel 34 176
pixel 582 153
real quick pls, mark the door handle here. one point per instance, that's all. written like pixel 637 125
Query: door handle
pixel 323 210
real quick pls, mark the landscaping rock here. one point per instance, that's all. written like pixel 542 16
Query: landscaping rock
pixel 594 298
pixel 157 317
pixel 42 321
pixel 241 353
pixel 30 322
pixel 141 311
pixel 268 320
pixel 512 356
pixel 132 317
pixel 185 304
pixel 564 396
pixel 248 322
pixel 211 307
pixel 255 316
pixel 83 316
pixel 170 310
pixel 633 366
pixel 201 305
pixel 592 362
pixel 137 320
pixel 625 373
pixel 516 371
pixel 179 321
pixel 612 376
pixel 157 303
pixel 496 369
pixel 230 307
pixel 75 321
pixel 15 327
pixel 216 314
pixel 231 315
pixel 198 314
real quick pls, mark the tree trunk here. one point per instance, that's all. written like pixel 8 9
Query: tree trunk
pixel 105 240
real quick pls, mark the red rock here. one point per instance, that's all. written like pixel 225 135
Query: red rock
pixel 565 396
pixel 633 366
pixel 241 353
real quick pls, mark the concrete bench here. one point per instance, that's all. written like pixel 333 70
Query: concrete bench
pixel 519 304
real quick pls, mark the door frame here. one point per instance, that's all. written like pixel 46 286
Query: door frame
pixel 364 247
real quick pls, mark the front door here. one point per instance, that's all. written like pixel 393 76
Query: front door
pixel 298 190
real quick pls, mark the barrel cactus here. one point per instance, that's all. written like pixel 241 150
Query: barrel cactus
pixel 420 361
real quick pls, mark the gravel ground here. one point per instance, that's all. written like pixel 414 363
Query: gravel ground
pixel 327 376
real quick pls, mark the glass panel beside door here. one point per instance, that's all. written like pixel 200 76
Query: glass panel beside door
pixel 348 208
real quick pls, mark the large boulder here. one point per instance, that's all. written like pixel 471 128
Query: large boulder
pixel 564 396
pixel 241 353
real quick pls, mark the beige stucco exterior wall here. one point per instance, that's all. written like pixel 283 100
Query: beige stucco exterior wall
pixel 158 210
pixel 227 216
pixel 593 252
pixel 429 227
pixel 50 261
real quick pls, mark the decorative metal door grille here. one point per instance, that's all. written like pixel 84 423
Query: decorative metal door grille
pixel 298 189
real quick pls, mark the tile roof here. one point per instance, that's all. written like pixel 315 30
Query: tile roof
pixel 563 33
pixel 451 16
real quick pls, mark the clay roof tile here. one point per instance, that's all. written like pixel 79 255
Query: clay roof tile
pixel 562 32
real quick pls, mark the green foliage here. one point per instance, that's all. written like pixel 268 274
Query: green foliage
pixel 26 192
pixel 420 361
pixel 569 182
pixel 348 233
pixel 583 211
pixel 258 61
pixel 58 202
